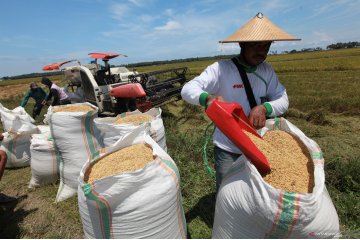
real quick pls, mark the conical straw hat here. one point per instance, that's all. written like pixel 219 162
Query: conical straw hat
pixel 259 28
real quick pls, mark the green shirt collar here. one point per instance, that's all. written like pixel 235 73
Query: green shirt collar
pixel 248 69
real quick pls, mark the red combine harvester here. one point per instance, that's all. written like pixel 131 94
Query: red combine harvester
pixel 116 89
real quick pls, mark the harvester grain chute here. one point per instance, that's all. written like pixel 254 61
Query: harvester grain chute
pixel 116 89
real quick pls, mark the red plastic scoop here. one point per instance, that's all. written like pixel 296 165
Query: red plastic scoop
pixel 232 121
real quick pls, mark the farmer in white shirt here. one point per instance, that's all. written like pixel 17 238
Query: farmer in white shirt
pixel 223 81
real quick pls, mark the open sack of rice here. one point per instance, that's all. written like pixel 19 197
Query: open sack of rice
pixel 290 202
pixel 113 128
pixel 44 160
pixel 132 190
pixel 76 140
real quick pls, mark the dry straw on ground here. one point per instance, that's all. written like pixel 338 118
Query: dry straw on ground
pixel 127 159
pixel 291 165
pixel 134 119
pixel 73 108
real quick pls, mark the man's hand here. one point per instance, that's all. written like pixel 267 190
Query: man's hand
pixel 257 116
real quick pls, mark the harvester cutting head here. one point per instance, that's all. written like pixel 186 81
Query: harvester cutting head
pixel 160 86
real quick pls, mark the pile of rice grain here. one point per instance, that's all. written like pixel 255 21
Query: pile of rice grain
pixel 73 108
pixel 125 160
pixel 292 168
pixel 134 119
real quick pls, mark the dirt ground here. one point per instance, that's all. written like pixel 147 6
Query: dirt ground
pixel 35 214
pixel 13 90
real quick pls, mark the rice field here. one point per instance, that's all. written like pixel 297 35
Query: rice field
pixel 323 90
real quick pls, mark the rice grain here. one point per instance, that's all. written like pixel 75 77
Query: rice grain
pixel 127 159
pixel 73 108
pixel 292 168
pixel 134 119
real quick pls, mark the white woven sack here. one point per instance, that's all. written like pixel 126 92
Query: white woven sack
pixel 76 140
pixel 44 160
pixel 17 148
pixel 44 129
pixel 248 207
pixel 146 203
pixel 17 120
pixel 113 132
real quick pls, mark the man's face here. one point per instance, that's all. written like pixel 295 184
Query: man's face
pixel 255 53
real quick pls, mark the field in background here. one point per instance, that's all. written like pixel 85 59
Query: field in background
pixel 323 89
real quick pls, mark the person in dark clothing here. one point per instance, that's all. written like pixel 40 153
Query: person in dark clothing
pixel 59 95
pixel 38 94
pixel 126 105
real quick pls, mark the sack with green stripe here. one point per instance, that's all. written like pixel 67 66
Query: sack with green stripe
pixel 249 207
pixel 144 203
pixel 112 132
pixel 44 160
pixel 18 126
pixel 17 148
pixel 76 140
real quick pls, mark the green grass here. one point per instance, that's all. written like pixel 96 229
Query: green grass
pixel 27 81
pixel 324 103
pixel 329 91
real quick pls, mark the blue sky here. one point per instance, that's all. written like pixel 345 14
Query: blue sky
pixel 38 32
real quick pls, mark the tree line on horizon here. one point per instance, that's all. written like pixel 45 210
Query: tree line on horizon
pixel 334 46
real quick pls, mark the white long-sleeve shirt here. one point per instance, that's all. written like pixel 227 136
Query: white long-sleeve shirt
pixel 222 78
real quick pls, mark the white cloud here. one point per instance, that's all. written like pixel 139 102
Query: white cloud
pixel 138 3
pixel 322 37
pixel 128 29
pixel 169 12
pixel 169 26
pixel 226 48
pixel 335 10
pixel 273 5
pixel 118 10
pixel 194 27
pixel 147 18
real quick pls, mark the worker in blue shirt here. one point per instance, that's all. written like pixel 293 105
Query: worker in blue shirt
pixel 38 94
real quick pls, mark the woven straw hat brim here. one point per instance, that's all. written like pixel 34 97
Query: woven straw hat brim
pixel 259 28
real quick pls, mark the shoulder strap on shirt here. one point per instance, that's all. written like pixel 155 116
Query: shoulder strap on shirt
pixel 249 92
